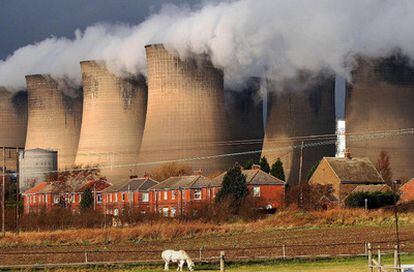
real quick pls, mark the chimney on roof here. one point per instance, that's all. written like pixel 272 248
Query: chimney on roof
pixel 256 167
pixel 348 154
pixel 133 176
pixel 198 172
pixel 147 175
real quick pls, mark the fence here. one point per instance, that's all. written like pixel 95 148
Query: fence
pixel 377 263
pixel 81 255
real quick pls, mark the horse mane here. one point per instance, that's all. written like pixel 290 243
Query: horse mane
pixel 189 261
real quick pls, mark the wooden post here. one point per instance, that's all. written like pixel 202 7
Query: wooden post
pixel 284 251
pixel 371 268
pixel 365 249
pixel 397 265
pixel 222 269
pixel 379 259
pixel 200 253
pixel 86 256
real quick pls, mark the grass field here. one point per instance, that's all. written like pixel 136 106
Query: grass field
pixel 337 265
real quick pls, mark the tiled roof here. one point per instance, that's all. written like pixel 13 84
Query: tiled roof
pixel 372 188
pixel 408 183
pixel 253 177
pixel 38 187
pixel 193 181
pixel 355 170
pixel 98 185
pixel 135 184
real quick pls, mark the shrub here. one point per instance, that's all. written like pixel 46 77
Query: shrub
pixel 375 199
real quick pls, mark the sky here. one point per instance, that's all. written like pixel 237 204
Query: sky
pixel 24 22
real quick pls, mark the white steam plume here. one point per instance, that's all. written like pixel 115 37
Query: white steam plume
pixel 244 38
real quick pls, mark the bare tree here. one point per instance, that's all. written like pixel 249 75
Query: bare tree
pixel 383 166
pixel 170 170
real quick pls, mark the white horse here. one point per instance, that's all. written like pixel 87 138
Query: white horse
pixel 181 257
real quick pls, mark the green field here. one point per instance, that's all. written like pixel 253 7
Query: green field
pixel 337 265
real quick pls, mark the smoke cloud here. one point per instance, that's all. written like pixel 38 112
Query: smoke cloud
pixel 275 38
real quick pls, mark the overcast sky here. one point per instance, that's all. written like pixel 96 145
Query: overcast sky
pixel 27 21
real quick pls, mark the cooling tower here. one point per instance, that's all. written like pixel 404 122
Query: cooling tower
pixel 186 116
pixel 13 118
pixel 299 110
pixel 13 124
pixel 245 114
pixel 381 98
pixel 113 121
pixel 54 119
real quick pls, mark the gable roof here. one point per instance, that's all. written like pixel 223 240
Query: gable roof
pixel 408 183
pixel 35 189
pixel 135 184
pixel 193 181
pixel 253 177
pixel 372 188
pixel 355 170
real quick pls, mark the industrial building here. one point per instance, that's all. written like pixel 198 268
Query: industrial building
pixel 54 118
pixel 113 121
pixel 13 124
pixel 300 112
pixel 35 166
pixel 186 115
pixel 245 114
pixel 380 99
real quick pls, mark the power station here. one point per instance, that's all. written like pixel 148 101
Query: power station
pixel 380 98
pixel 113 120
pixel 300 114
pixel 186 116
pixel 54 118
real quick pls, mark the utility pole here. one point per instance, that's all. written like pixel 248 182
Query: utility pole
pixel 3 195
pixel 17 192
pixel 300 176
pixel 397 232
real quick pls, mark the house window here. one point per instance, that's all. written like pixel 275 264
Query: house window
pixel 173 212
pixel 123 196
pixel 110 197
pixel 197 194
pixel 34 199
pixel 159 195
pixel 99 198
pixel 173 195
pixel 165 195
pixel 79 197
pixel 145 197
pixel 56 199
pixel 165 212
pixel 116 197
pixel 256 191
pixel 116 212
pixel 45 198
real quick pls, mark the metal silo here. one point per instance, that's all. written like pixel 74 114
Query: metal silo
pixel 186 115
pixel 54 119
pixel 300 112
pixel 379 106
pixel 113 120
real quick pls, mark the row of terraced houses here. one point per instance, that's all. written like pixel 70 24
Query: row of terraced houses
pixel 171 197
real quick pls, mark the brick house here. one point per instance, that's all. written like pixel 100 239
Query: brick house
pixel 407 191
pixel 267 190
pixel 344 175
pixel 177 195
pixel 46 195
pixel 130 194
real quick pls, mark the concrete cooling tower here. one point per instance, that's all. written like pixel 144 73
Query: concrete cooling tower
pixel 13 118
pixel 13 124
pixel 381 98
pixel 54 119
pixel 297 111
pixel 113 121
pixel 186 116
pixel 245 115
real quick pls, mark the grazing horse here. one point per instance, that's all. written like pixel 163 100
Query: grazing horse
pixel 181 257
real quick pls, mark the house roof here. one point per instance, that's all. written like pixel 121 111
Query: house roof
pixel 354 170
pixel 35 189
pixel 193 181
pixel 408 183
pixel 98 185
pixel 135 184
pixel 253 177
pixel 372 188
